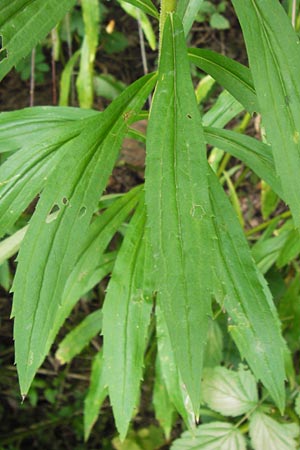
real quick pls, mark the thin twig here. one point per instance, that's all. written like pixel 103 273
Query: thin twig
pixel 143 50
pixel 70 54
pixel 32 78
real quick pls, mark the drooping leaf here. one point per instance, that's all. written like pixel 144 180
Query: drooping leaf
pixel 50 248
pixel 37 148
pixel 164 409
pixel 96 395
pixel 178 208
pixel 230 74
pixel 243 292
pixel 187 11
pixel 145 5
pixel 255 154
pixel 228 392
pixel 267 433
pixel 169 372
pixel 126 317
pixel 211 436
pixel 144 21
pixel 23 23
pixel 74 342
pixel 273 51
pixel 66 79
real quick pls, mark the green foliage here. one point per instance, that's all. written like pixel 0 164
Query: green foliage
pixel 184 287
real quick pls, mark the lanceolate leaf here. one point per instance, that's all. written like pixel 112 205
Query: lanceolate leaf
pixel 253 153
pixel 230 74
pixel 178 208
pixel 96 395
pixel 187 10
pixel 145 5
pixel 126 316
pixel 51 247
pixel 244 294
pixel 274 55
pixel 23 23
pixel 79 337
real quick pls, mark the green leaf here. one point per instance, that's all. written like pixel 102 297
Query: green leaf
pixel 178 208
pixel 229 393
pixel 212 436
pixel 267 433
pixel 126 317
pixel 23 23
pixel 145 5
pixel 225 108
pixel 213 351
pixel 164 409
pixel 230 74
pixel 256 155
pixel 66 78
pixel 219 22
pixel 137 14
pixel 169 372
pixel 269 199
pixel 10 245
pixel 273 51
pixel 297 404
pixel 108 87
pixel 5 279
pixel 95 396
pixel 187 11
pixel 73 189
pixel 290 249
pixel 243 292
pixel 41 141
pixel 84 81
pixel 75 341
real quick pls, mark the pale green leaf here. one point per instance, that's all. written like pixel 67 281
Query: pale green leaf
pixel 10 245
pixel 269 199
pixel 187 11
pixel 274 54
pixel 144 21
pixel 66 79
pixel 108 86
pixel 50 248
pixel 5 278
pixel 219 22
pixel 228 392
pixel 23 23
pixel 225 108
pixel 214 346
pixel 267 433
pixel 75 341
pixel 95 396
pixel 145 5
pixel 84 81
pixel 126 317
pixel 212 436
pixel 163 407
pixel 290 249
pixel 177 202
pixel 230 74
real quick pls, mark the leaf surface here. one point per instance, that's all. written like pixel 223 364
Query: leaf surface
pixel 211 436
pixel 51 248
pixel 187 11
pixel 23 23
pixel 126 317
pixel 274 54
pixel 230 74
pixel 178 208
pixel 145 5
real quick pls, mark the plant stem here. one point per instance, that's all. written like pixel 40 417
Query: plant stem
pixel 264 225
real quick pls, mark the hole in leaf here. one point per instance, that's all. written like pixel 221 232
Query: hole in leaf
pixel 53 213
pixel 188 116
pixel 65 201
pixel 82 211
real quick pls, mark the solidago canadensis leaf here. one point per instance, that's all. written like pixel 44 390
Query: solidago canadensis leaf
pixel 231 393
pixel 212 436
pixel 95 396
pixel 126 317
pixel 79 337
pixel 274 54
pixel 51 247
pixel 23 23
pixel 187 10
pixel 230 74
pixel 195 234
pixel 267 433
pixel 178 211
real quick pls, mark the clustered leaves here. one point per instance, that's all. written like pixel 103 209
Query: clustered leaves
pixel 183 250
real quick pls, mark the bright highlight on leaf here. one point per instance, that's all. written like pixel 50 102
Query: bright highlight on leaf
pixel 228 392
